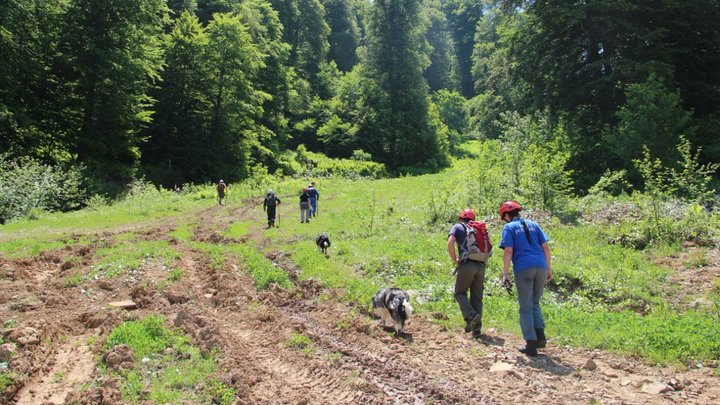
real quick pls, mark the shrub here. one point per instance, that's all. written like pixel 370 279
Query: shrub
pixel 28 186
pixel 319 165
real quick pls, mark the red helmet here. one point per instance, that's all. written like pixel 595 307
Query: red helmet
pixel 467 214
pixel 509 206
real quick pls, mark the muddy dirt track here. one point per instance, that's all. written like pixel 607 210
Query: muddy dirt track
pixel 54 330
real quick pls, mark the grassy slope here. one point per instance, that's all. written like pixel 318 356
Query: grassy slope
pixel 393 232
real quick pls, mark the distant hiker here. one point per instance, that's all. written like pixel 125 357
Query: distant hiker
pixel 314 195
pixel 304 206
pixel 221 187
pixel 526 245
pixel 269 205
pixel 470 273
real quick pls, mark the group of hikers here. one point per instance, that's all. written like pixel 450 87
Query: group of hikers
pixel 308 204
pixel 524 245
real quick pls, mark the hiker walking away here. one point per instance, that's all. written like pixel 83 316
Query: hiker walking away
pixel 469 274
pixel 270 206
pixel 221 187
pixel 526 246
pixel 314 195
pixel 304 206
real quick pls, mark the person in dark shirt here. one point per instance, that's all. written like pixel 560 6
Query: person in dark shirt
pixel 270 206
pixel 304 206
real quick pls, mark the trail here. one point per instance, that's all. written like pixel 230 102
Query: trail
pixel 50 327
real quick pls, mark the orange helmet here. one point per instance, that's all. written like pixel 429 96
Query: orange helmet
pixel 509 206
pixel 467 214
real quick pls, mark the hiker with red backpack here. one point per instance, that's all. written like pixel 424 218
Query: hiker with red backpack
pixel 473 251
pixel 525 245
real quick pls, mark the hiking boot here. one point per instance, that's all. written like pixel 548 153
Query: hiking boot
pixel 474 323
pixel 541 340
pixel 530 348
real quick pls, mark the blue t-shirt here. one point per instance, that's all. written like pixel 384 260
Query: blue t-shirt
pixel 459 232
pixel 313 193
pixel 525 255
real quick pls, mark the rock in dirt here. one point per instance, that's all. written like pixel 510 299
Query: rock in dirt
pixel 589 365
pixel 656 388
pixel 26 336
pixel 106 394
pixel 120 357
pixel 7 350
pixel 176 298
pixel 500 367
pixel 125 304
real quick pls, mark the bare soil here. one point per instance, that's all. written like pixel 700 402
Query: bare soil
pixel 53 339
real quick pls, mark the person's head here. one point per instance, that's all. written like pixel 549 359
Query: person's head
pixel 270 191
pixel 509 209
pixel 467 215
pixel 221 181
pixel 312 183
pixel 304 190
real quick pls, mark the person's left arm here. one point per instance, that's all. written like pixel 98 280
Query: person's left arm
pixel 546 250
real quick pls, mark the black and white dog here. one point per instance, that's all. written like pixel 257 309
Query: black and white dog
pixel 323 242
pixel 392 303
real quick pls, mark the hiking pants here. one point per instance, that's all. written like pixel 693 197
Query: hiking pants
pixel 271 215
pixel 530 285
pixel 304 212
pixel 470 277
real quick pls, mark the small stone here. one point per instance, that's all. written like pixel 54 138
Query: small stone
pixel 589 365
pixel 125 304
pixel 501 367
pixel 656 388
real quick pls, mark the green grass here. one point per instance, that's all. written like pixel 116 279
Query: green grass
pixel 6 380
pixel 167 369
pixel 215 253
pixel 74 280
pixel 175 274
pixel 238 229
pixel 300 342
pixel 261 269
pixel 129 255
pixel 33 246
pixel 184 232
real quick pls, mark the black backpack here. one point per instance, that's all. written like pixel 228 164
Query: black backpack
pixel 270 200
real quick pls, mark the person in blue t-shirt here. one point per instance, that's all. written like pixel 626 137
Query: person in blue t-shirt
pixel 314 195
pixel 470 275
pixel 526 245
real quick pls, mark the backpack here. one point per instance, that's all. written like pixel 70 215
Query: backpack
pixel 270 200
pixel 477 241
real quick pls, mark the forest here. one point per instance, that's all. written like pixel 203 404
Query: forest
pixel 95 94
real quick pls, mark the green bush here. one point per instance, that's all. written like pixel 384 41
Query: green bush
pixel 30 187
pixel 319 165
